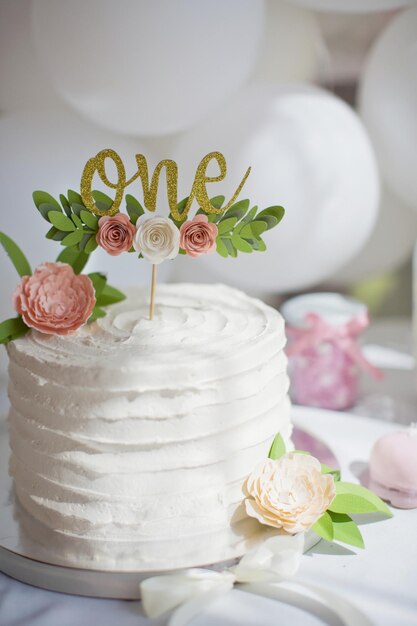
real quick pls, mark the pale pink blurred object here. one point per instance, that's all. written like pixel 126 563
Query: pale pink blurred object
pixel 325 356
pixel 393 468
pixel 54 300
pixel 198 236
pixel 115 233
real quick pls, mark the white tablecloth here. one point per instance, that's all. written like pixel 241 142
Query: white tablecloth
pixel 382 580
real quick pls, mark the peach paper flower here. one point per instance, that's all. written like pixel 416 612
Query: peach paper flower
pixel 289 493
pixel 198 236
pixel 115 233
pixel 54 300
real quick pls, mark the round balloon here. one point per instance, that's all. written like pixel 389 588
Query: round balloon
pixel 389 246
pixel 47 150
pixel 142 67
pixel 293 46
pixel 388 104
pixel 23 83
pixel 309 152
pixel 352 6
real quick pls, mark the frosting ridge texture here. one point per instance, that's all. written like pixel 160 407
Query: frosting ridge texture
pixel 131 439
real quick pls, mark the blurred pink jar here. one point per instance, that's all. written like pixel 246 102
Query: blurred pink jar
pixel 325 358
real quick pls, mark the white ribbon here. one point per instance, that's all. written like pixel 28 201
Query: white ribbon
pixel 276 560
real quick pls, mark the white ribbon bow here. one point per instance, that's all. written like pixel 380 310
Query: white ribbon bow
pixel 276 560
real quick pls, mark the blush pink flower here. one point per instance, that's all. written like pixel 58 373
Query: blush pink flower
pixel 115 233
pixel 54 300
pixel 198 236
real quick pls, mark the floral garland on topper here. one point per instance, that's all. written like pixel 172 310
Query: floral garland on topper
pixel 58 299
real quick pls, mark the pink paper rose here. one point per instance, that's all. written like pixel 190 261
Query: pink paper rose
pixel 198 236
pixel 54 300
pixel 115 233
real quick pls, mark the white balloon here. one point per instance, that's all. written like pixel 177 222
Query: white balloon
pixel 23 83
pixel 352 6
pixel 47 150
pixel 143 67
pixel 388 104
pixel 389 246
pixel 309 152
pixel 292 47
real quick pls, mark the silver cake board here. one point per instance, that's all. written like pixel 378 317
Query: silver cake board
pixel 30 563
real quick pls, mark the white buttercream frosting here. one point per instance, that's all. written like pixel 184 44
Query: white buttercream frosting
pixel 131 439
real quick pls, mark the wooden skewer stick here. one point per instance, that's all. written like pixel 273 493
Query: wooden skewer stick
pixel 153 287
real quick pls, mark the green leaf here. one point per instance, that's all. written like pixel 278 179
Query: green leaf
pixel 230 247
pixel 16 255
pixel 91 245
pixel 77 208
pixel 74 257
pixel 89 219
pixel 74 198
pixel 277 449
pixel 102 200
pixel 134 208
pixel 353 498
pixel 226 225
pixel 84 241
pixel 345 530
pixel 257 244
pixel 250 215
pixel 99 282
pixel 110 295
pixel 73 238
pixel 52 232
pixel 277 212
pixel 61 222
pixel 221 248
pixel 324 527
pixel 326 469
pixel 46 208
pixel 77 221
pixel 217 203
pixel 252 230
pixel 97 312
pixel 65 204
pixel 237 210
pixel 240 244
pixel 58 236
pixel 42 197
pixel 12 329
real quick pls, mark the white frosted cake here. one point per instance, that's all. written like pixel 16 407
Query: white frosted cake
pixel 131 439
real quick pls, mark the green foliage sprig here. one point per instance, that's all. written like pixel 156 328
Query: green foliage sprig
pixel 14 327
pixel 240 227
pixel 336 524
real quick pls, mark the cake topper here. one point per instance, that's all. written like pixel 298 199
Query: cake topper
pixel 83 221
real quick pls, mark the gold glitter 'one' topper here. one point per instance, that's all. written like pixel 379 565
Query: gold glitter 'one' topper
pixel 150 191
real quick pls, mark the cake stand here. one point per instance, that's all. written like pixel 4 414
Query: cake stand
pixel 30 562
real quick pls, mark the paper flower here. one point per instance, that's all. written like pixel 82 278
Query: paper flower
pixel 289 493
pixel 198 236
pixel 54 300
pixel 157 238
pixel 115 234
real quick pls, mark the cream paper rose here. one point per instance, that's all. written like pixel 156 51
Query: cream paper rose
pixel 157 239
pixel 289 493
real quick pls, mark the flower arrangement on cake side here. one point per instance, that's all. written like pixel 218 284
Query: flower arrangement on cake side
pixel 293 492
pixel 58 299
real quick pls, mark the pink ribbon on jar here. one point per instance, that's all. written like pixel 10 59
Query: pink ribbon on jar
pixel 344 336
